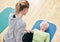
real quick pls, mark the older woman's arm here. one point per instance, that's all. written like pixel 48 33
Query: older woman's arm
pixel 48 38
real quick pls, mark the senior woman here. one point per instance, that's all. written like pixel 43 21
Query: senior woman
pixel 38 35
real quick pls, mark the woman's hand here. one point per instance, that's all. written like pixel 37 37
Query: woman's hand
pixel 28 30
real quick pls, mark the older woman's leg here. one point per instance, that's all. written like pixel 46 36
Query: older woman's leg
pixel 27 37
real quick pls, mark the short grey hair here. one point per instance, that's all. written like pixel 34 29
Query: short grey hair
pixel 45 23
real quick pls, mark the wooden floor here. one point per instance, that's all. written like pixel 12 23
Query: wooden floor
pixel 39 9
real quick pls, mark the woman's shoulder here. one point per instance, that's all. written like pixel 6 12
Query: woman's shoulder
pixel 11 14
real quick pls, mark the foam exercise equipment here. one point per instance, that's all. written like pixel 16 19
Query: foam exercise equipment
pixel 4 18
pixel 51 29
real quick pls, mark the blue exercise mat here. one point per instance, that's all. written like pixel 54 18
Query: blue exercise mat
pixel 4 18
pixel 51 29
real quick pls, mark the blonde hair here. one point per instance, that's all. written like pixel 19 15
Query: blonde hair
pixel 20 6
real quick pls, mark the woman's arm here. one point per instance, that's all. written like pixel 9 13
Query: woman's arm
pixel 48 38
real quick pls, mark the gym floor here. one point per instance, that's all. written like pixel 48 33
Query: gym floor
pixel 39 10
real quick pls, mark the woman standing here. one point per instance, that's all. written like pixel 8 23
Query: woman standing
pixel 16 23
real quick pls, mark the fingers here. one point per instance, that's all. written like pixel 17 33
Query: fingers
pixel 28 30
